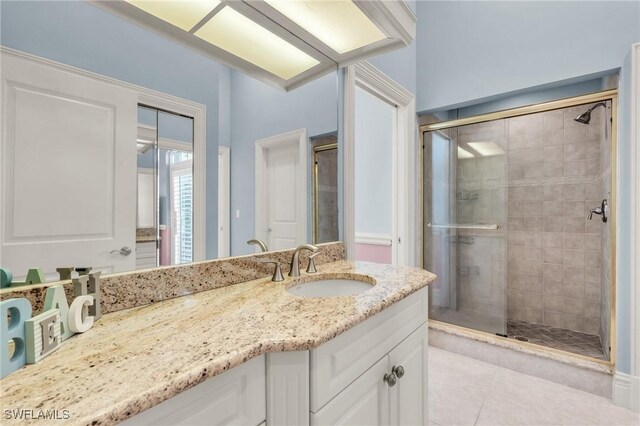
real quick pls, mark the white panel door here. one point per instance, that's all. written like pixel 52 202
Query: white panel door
pixel 68 170
pixel 365 402
pixel 283 221
pixel 409 396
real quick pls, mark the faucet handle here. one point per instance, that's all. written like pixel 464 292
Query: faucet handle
pixel 277 273
pixel 311 267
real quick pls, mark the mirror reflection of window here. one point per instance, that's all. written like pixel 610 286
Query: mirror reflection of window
pixel 164 234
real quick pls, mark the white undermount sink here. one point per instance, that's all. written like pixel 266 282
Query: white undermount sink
pixel 329 288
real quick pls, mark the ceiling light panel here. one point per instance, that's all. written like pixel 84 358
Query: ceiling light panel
pixel 341 25
pixel 240 36
pixel 486 149
pixel 183 14
pixel 463 154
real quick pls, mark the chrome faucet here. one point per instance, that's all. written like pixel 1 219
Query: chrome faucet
pixel 294 269
pixel 260 243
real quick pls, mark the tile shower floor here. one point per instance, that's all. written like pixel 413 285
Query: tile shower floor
pixel 557 338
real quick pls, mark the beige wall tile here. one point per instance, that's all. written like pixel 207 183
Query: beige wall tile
pixel 553 208
pixel 553 303
pixel 553 192
pixel 554 137
pixel 575 168
pixel 574 257
pixel 573 224
pixel 534 283
pixel 533 315
pixel 574 241
pixel 573 274
pixel 574 306
pixel 574 209
pixel 592 149
pixel 593 258
pixel 575 151
pixel 533 224
pixel 552 272
pixel 553 120
pixel 554 319
pixel 592 310
pixel 516 238
pixel 592 326
pixel 553 169
pixel 533 239
pixel 534 170
pixel 553 239
pixel 573 322
pixel 553 255
pixel 515 172
pixel 575 192
pixel 575 290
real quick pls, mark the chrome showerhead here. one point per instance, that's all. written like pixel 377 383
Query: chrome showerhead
pixel 585 117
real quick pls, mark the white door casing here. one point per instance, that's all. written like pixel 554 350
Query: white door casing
pixel 224 203
pixel 374 81
pixel 70 210
pixel 280 189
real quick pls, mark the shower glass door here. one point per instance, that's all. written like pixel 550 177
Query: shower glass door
pixel 464 219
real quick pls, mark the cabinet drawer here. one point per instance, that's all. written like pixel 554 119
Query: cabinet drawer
pixel 337 363
pixel 146 249
pixel 236 397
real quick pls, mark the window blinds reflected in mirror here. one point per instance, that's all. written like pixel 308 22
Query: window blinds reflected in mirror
pixel 164 225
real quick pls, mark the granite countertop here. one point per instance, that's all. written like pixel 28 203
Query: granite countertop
pixel 136 358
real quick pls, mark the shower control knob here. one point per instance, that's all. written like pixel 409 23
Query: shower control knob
pixel 398 371
pixel 390 379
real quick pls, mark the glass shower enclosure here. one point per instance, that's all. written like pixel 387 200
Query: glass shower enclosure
pixel 464 217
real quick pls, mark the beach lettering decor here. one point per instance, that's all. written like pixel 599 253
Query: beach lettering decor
pixel 28 340
pixel 42 334
pixel 5 278
pixel 55 298
pixel 13 314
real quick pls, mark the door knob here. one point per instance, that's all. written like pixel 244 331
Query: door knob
pixel 398 371
pixel 124 251
pixel 390 379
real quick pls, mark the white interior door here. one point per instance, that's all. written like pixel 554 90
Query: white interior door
pixel 68 170
pixel 281 190
pixel 282 218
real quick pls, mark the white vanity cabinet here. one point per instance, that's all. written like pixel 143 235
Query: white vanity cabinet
pixel 373 374
pixel 345 376
pixel 236 397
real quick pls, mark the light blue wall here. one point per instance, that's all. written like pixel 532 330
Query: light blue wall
pixel 373 165
pixel 472 51
pixel 400 65
pixel 79 34
pixel 258 111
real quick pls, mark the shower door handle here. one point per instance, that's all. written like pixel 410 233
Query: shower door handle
pixel 464 226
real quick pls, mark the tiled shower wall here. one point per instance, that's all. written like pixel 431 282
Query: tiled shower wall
pixel 554 174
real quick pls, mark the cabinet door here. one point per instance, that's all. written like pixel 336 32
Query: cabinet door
pixel 236 397
pixel 408 398
pixel 364 402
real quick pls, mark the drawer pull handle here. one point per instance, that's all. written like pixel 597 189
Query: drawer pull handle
pixel 390 379
pixel 398 371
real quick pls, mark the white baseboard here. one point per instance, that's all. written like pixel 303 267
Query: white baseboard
pixel 626 391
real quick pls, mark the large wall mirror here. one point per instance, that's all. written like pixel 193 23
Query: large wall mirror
pixel 96 175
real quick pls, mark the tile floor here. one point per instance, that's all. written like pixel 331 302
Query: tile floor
pixel 464 391
pixel 557 338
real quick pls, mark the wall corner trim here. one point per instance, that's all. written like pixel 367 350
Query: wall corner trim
pixel 626 391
